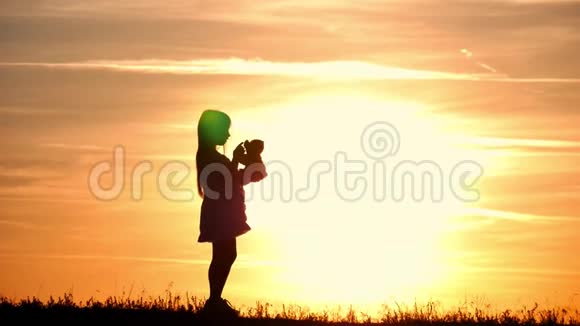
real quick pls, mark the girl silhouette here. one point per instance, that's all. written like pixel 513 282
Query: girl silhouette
pixel 223 215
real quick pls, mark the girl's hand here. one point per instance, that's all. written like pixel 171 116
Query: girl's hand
pixel 239 153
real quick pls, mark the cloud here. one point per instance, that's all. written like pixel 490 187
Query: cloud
pixel 11 181
pixel 27 111
pixel 45 163
pixel 237 66
pixel 516 38
pixel 519 217
pixel 526 144
pixel 487 67
pixel 324 70
pixel 21 225
pixel 168 260
pixel 83 147
pixel 521 271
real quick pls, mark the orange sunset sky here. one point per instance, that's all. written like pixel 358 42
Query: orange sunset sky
pixel 490 81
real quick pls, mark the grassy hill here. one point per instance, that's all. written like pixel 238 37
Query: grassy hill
pixel 174 310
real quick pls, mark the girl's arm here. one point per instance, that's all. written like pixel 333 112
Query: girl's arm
pixel 239 153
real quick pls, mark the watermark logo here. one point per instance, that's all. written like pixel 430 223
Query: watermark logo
pixel 378 176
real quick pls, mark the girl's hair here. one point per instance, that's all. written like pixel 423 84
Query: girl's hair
pixel 210 128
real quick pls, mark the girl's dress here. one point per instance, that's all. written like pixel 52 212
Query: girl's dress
pixel 224 217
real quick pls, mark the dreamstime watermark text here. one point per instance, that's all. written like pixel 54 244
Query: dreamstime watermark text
pixel 378 176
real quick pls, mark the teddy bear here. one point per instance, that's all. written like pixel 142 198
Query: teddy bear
pixel 252 159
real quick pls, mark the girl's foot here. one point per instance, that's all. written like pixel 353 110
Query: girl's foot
pixel 228 309
pixel 219 308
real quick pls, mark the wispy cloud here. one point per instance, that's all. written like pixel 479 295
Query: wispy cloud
pixel 168 260
pixel 487 67
pixel 237 66
pixel 20 111
pixel 34 163
pixel 519 217
pixel 12 181
pixel 521 271
pixel 521 147
pixel 21 225
pixel 524 143
pixel 75 147
pixel 469 55
pixel 347 70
